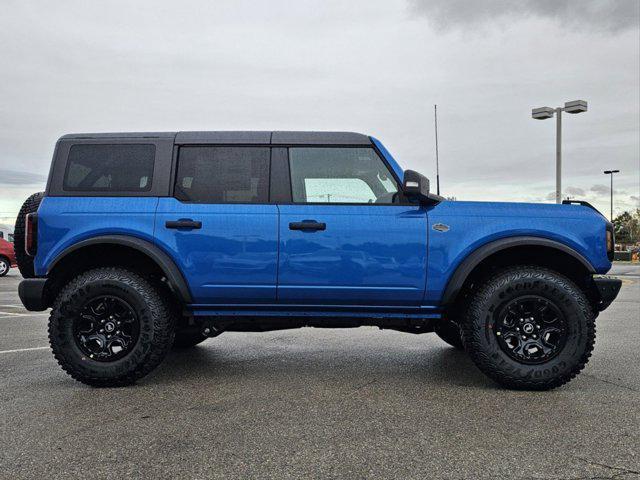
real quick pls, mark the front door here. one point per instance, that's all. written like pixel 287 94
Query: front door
pixel 348 238
pixel 219 227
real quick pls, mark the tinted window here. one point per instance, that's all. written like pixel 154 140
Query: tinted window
pixel 340 175
pixel 223 175
pixel 106 168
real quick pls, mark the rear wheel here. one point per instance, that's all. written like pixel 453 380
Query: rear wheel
pixel 25 262
pixel 5 265
pixel 529 328
pixel 109 327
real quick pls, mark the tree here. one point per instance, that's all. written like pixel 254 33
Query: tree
pixel 627 227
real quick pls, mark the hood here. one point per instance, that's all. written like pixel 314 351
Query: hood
pixel 518 209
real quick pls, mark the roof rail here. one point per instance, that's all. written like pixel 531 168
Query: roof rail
pixel 581 202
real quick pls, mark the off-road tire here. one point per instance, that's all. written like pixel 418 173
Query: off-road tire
pixel 449 332
pixel 187 338
pixel 481 342
pixel 5 266
pixel 156 327
pixel 25 262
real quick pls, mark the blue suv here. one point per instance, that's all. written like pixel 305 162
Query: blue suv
pixel 147 241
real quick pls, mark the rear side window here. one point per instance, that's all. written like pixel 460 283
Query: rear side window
pixel 223 175
pixel 109 168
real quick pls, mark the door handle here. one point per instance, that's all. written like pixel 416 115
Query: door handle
pixel 185 223
pixel 307 225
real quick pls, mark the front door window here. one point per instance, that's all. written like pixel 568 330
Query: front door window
pixel 340 175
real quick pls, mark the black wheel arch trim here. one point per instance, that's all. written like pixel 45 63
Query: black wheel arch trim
pixel 174 276
pixel 470 262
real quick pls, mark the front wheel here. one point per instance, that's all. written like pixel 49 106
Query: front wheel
pixel 5 265
pixel 529 328
pixel 109 327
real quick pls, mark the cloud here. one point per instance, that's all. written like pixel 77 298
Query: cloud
pixel 308 65
pixel 574 191
pixel 601 15
pixel 15 177
pixel 571 191
pixel 602 189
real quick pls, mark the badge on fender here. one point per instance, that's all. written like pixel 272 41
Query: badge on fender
pixel 440 227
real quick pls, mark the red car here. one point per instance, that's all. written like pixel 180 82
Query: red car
pixel 7 257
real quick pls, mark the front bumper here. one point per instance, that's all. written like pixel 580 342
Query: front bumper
pixel 608 288
pixel 32 294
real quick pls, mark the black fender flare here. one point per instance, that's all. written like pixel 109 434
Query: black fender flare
pixel 171 271
pixel 468 264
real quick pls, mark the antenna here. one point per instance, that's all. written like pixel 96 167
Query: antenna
pixel 435 117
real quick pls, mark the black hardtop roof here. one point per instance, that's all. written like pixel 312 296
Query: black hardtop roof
pixel 236 137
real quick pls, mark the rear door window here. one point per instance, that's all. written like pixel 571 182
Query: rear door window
pixel 223 175
pixel 110 168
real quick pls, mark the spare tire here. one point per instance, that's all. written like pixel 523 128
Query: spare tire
pixel 25 262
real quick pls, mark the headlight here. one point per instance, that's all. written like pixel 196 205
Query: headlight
pixel 611 241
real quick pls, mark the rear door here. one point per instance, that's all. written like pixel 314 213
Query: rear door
pixel 219 226
pixel 347 237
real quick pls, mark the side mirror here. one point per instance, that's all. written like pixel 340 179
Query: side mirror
pixel 416 185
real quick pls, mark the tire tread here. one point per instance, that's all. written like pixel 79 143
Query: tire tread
pixel 471 330
pixel 163 326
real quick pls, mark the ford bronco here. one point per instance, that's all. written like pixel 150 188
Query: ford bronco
pixel 147 241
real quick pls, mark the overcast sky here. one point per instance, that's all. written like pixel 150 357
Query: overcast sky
pixel 374 66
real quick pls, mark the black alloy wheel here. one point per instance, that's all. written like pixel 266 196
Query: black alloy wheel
pixel 531 329
pixel 106 329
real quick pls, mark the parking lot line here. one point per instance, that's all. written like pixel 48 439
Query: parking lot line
pixel 4 315
pixel 23 350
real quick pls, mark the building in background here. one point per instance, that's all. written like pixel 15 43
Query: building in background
pixel 6 232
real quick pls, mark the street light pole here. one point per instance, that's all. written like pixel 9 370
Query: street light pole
pixel 558 155
pixel 435 118
pixel 542 113
pixel 610 173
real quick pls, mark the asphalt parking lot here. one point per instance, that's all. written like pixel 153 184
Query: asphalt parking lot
pixel 319 404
